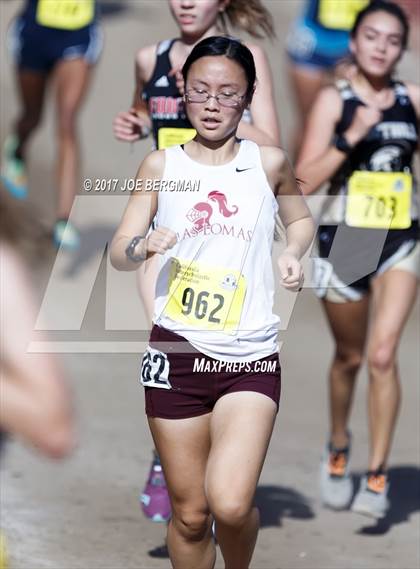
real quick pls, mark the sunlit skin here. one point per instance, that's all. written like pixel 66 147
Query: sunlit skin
pixel 196 452
pixel 377 46
pixel 197 18
pixel 213 121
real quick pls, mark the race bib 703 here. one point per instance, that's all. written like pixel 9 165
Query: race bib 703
pixel 379 200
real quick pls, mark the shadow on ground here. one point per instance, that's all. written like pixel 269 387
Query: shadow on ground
pixel 404 497
pixel 278 502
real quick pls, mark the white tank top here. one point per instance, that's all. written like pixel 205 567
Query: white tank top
pixel 216 285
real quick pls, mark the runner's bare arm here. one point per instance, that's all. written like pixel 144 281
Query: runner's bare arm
pixel 293 210
pixel 35 403
pixel 318 158
pixel 130 126
pixel 264 129
pixel 138 216
pixel 144 64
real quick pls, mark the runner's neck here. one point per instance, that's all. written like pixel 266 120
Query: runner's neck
pixel 212 153
pixel 378 93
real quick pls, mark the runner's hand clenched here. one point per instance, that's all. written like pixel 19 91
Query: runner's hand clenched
pixel 161 240
pixel 363 120
pixel 291 272
pixel 128 126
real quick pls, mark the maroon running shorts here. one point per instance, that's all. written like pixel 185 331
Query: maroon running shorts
pixel 181 382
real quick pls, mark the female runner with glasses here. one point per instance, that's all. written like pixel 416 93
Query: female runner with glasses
pixel 211 372
pixel 158 108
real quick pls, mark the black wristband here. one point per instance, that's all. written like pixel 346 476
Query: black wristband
pixel 340 142
pixel 130 250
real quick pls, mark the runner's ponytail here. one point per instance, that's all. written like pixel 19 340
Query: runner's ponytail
pixel 250 16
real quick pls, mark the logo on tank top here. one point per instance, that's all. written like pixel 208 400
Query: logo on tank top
pixel 387 159
pixel 207 218
pixel 162 82
pixel 229 282
pixel 397 130
pixel 166 107
pixel 200 214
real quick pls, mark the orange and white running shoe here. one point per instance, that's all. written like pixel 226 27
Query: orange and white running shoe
pixel 372 498
pixel 336 484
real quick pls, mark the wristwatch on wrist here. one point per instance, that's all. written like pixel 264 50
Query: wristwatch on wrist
pixel 130 250
pixel 340 142
pixel 145 131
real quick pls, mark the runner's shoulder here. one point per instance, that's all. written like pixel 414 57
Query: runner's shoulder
pixel 145 60
pixel 273 159
pixel 331 92
pixel 153 165
pixel 329 102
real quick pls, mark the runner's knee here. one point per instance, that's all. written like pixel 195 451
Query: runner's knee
pixel 381 356
pixel 67 122
pixel 349 359
pixel 191 524
pixel 231 511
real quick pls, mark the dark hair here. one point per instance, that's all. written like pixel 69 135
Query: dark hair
pixel 230 48
pixel 389 8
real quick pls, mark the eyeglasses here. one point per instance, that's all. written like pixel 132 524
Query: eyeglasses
pixel 224 99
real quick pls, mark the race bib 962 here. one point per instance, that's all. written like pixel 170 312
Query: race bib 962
pixel 204 296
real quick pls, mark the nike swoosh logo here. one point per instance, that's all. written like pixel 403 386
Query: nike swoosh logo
pixel 244 169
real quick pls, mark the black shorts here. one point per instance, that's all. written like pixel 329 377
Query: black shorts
pixel 38 48
pixel 186 383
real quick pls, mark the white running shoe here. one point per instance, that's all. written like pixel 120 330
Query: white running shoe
pixel 336 483
pixel 13 171
pixel 66 235
pixel 372 498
